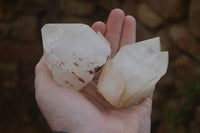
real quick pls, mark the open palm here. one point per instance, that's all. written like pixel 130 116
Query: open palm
pixel 87 111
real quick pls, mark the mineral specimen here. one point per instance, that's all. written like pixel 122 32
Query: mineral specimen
pixel 73 52
pixel 133 73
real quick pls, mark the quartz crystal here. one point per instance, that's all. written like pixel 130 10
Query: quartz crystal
pixel 133 73
pixel 74 52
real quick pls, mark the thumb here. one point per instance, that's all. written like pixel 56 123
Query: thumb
pixel 43 75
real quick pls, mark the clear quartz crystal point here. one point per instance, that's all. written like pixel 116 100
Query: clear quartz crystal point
pixel 133 73
pixel 73 52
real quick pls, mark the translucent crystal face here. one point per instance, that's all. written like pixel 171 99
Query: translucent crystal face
pixel 133 73
pixel 73 52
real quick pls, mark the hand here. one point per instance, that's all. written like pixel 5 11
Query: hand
pixel 87 111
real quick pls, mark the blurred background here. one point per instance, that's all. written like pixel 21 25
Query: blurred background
pixel 176 102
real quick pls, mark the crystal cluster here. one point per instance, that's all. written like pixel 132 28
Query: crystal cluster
pixel 133 73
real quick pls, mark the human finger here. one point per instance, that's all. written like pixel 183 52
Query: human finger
pixel 42 74
pixel 99 26
pixel 114 29
pixel 129 31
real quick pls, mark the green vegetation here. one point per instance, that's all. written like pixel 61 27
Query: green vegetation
pixel 185 112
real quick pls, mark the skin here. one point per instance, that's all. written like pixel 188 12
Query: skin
pixel 87 111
